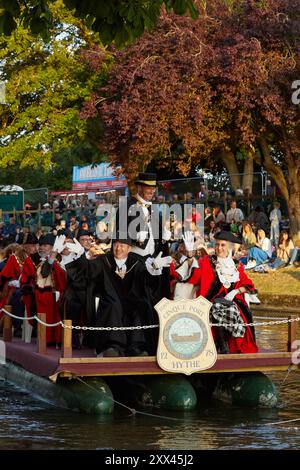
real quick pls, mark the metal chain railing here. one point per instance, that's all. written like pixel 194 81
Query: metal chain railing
pixel 278 321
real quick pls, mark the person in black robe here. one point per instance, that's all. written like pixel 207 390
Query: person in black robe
pixel 119 286
pixel 148 236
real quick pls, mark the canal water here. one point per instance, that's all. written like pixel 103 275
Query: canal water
pixel 27 423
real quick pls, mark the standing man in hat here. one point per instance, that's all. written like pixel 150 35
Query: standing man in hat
pixel 149 238
pixel 43 281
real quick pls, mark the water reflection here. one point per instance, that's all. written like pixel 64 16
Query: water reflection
pixel 26 423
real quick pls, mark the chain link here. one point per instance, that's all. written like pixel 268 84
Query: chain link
pixel 145 327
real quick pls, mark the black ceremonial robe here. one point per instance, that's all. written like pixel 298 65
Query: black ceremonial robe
pixel 122 302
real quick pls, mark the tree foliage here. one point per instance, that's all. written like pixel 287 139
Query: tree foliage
pixel 217 85
pixel 46 84
pixel 120 21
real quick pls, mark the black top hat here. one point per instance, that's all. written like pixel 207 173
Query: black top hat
pixel 147 179
pixel 30 239
pixel 228 236
pixel 47 239
pixel 121 239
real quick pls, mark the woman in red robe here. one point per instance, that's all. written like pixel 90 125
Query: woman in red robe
pixel 223 282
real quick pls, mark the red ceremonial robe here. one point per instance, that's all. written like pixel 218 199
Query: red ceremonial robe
pixel 44 294
pixel 11 271
pixel 206 278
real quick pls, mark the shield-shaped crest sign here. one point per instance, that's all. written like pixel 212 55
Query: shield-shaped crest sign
pixel 186 344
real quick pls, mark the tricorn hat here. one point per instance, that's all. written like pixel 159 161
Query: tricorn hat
pixel 147 179
pixel 228 236
pixel 47 239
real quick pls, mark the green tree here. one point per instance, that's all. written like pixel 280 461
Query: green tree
pixel 58 176
pixel 46 84
pixel 116 20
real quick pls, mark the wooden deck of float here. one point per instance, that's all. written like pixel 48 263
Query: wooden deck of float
pixel 262 361
pixel 84 364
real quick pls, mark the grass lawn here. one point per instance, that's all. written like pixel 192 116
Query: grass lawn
pixel 285 281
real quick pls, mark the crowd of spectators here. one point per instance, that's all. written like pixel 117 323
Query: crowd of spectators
pixel 267 243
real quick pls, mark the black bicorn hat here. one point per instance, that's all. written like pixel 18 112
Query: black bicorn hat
pixel 122 238
pixel 147 179
pixel 30 239
pixel 66 232
pixel 47 239
pixel 228 236
pixel 82 232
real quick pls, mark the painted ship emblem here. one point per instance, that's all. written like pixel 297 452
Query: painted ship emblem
pixel 185 338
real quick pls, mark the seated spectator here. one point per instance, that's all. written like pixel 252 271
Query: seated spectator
pixel 234 213
pixel 249 237
pixel 259 219
pixel 73 226
pixel 213 229
pixel 10 231
pixel 283 252
pixel 188 197
pixel 234 227
pixel 218 215
pixel 47 216
pixel 207 218
pixel 261 252
pixel 83 220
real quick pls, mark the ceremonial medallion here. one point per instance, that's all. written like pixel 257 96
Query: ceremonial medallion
pixel 186 343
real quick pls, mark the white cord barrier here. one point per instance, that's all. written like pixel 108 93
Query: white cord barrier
pixel 145 327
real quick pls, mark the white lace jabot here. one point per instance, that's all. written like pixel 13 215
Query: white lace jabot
pixel 227 271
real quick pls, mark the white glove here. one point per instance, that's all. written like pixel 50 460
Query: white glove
pixel 75 248
pixel 189 240
pixel 141 236
pixel 15 283
pixel 232 294
pixel 160 262
pixel 252 298
pixel 166 234
pixel 57 295
pixel 59 244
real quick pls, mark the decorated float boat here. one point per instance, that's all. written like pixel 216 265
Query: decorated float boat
pixel 78 380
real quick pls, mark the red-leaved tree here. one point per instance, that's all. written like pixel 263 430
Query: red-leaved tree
pixel 215 85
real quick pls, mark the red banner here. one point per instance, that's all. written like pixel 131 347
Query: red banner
pixel 104 185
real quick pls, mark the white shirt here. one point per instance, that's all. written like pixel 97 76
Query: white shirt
pixel 150 247
pixel 266 246
pixel 235 214
pixel 227 271
pixel 121 266
pixel 275 216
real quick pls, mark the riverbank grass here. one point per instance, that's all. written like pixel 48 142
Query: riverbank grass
pixel 285 281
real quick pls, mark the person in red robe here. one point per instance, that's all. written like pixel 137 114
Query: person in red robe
pixel 224 283
pixel 10 274
pixel 43 282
